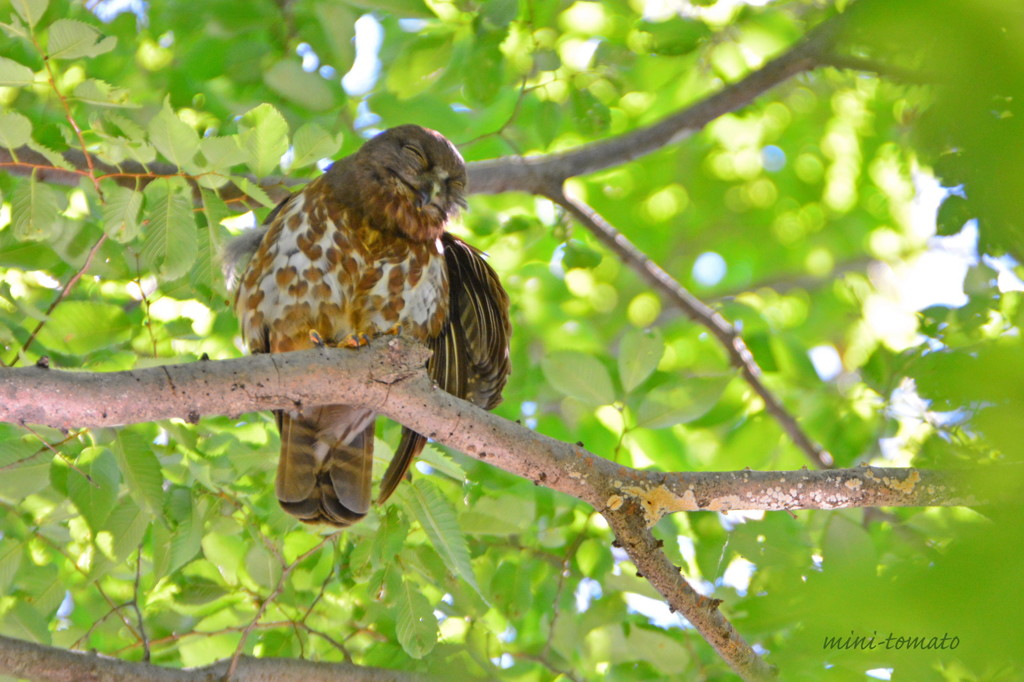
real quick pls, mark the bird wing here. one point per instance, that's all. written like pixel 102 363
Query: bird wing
pixel 470 356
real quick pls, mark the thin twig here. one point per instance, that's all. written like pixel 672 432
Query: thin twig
pixel 47 62
pixel 563 573
pixel 60 297
pixel 879 67
pixel 266 602
pixel 138 611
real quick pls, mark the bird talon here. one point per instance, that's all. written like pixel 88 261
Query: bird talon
pixel 394 331
pixel 317 340
pixel 354 341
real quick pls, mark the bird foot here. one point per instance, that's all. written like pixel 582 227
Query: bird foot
pixel 354 341
pixel 317 340
pixel 394 331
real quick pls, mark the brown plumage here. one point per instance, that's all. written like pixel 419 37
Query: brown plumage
pixel 362 250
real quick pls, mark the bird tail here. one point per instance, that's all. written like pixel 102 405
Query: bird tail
pixel 326 465
pixel 410 445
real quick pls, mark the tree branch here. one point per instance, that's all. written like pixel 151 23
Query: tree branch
pixel 537 173
pixel 388 377
pixel 506 174
pixel 675 293
pixel 40 663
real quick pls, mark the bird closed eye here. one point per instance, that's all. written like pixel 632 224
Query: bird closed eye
pixel 415 152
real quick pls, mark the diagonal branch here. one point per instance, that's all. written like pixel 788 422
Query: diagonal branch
pixel 388 377
pixel 674 292
pixel 536 174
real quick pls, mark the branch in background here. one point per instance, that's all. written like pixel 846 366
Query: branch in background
pixel 388 377
pixel 538 173
pixel 40 663
pixel 133 175
pixel 506 174
pixel 674 292
pixel 881 68
pixel 653 564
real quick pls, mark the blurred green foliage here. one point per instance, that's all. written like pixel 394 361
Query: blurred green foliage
pixel 807 197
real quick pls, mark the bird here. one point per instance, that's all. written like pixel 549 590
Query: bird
pixel 360 251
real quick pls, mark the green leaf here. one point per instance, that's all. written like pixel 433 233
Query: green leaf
pixel 578 376
pixel 30 10
pixel 34 210
pixel 121 213
pixel 639 355
pixel 389 538
pixel 953 213
pixel 206 271
pixel 70 39
pixel 254 191
pixel 226 552
pixel 416 625
pixel 141 469
pixel 593 558
pixel 640 643
pixel 262 566
pixel 101 93
pixel 592 115
pixel 337 21
pixel 436 515
pixel 15 129
pixel 93 484
pixel 419 66
pixel 11 551
pixel 126 525
pixel 264 137
pixel 443 463
pixel 13 74
pixel 174 139
pixel 579 255
pixel 416 9
pixel 662 408
pixel 83 327
pixel 21 473
pixel 26 621
pixel 170 245
pixel 186 539
pixel 676 36
pixel 306 89
pixel 312 143
pixel 55 158
pixel 222 152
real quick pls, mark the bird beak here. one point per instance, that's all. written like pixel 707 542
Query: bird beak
pixel 424 196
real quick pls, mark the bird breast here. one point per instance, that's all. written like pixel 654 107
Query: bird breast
pixel 320 268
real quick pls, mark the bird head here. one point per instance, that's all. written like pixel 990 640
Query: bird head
pixel 419 178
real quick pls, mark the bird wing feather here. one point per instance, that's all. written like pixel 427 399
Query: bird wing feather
pixel 470 356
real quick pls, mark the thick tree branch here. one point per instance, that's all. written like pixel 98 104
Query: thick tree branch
pixel 388 377
pixel 40 663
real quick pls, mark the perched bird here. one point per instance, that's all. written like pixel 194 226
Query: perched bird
pixel 360 251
